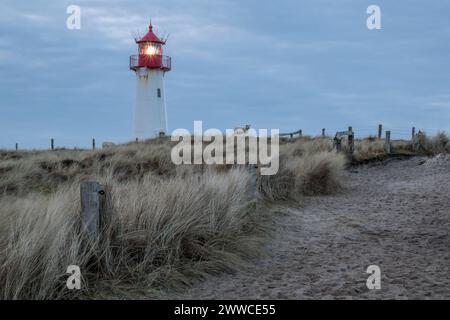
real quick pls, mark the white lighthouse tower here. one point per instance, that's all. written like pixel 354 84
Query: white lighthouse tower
pixel 150 66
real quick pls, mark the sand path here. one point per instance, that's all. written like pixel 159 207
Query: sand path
pixel 395 215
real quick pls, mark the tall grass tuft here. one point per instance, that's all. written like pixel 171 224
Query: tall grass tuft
pixel 319 173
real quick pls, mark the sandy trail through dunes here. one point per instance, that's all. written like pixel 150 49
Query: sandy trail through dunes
pixel 395 215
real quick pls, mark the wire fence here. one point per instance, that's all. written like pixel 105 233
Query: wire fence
pixel 397 132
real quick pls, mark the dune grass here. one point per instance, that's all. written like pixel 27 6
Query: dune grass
pixel 169 225
pixel 162 233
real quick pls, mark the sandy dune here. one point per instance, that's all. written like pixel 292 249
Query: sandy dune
pixel 394 215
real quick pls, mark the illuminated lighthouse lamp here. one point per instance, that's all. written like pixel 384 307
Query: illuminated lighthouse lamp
pixel 150 66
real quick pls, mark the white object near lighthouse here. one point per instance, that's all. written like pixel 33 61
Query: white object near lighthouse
pixel 150 66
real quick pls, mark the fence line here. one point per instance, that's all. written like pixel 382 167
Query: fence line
pixel 400 133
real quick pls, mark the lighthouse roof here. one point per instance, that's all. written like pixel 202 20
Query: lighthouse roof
pixel 150 37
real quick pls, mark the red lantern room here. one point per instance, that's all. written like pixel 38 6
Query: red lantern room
pixel 150 53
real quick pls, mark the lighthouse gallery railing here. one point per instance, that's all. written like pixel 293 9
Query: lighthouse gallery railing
pixel 150 61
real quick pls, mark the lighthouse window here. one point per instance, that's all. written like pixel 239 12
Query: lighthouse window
pixel 159 93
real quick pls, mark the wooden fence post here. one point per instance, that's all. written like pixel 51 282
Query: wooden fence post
pixel 387 142
pixel 93 144
pixel 380 131
pixel 300 133
pixel 323 133
pixel 137 140
pixel 338 143
pixel 52 144
pixel 413 133
pixel 17 146
pixel 92 207
pixel 351 141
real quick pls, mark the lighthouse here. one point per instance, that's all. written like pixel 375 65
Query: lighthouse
pixel 150 66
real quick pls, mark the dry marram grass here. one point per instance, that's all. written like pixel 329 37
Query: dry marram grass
pixel 169 225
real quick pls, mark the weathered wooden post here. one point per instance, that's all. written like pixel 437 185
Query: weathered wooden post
pixel 292 135
pixel 413 133
pixel 52 144
pixel 323 133
pixel 380 131
pixel 351 140
pixel 137 140
pixel 300 133
pixel 93 199
pixel 17 146
pixel 338 143
pixel 387 142
pixel 93 144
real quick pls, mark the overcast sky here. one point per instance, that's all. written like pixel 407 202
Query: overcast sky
pixel 286 64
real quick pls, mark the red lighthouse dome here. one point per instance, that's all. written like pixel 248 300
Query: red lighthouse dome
pixel 150 49
pixel 150 37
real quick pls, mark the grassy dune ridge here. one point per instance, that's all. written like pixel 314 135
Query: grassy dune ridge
pixel 170 225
